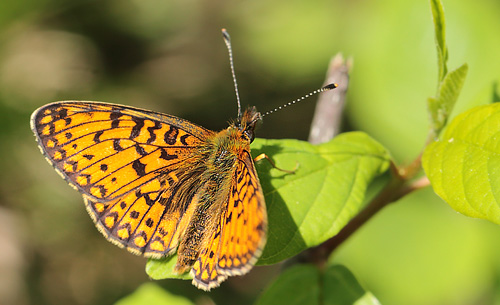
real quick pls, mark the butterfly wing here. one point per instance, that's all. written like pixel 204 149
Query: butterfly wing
pixel 128 163
pixel 149 227
pixel 241 233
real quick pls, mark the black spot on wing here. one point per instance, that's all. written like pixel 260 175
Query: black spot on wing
pixel 171 135
pixel 140 150
pixel 116 145
pixel 148 199
pixel 115 115
pixel 140 168
pixel 134 214
pixel 62 113
pixel 162 231
pixel 102 190
pixel 97 136
pixel 165 156
pixel 240 178
pixel 183 139
pixel 136 130
pixel 115 123
pixel 52 128
pixel 152 134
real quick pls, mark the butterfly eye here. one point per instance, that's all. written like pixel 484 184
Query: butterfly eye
pixel 250 135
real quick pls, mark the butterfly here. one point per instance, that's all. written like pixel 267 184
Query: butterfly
pixel 154 183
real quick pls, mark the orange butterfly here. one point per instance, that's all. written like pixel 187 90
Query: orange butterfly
pixel 154 183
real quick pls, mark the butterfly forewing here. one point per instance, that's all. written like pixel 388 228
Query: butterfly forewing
pixel 106 151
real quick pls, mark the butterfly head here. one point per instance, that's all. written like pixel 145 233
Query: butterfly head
pixel 247 122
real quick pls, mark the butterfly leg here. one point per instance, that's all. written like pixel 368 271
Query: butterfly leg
pixel 264 156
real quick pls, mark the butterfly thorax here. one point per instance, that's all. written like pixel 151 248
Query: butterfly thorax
pixel 226 146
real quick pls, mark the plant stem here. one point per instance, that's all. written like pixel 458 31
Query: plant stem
pixel 330 106
pixel 393 191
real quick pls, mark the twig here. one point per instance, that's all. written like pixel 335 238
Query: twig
pixel 326 125
pixel 330 105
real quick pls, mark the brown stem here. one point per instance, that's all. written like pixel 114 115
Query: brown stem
pixel 411 170
pixel 414 186
pixel 393 191
pixel 330 106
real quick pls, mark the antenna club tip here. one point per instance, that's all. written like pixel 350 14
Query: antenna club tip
pixel 225 34
pixel 329 86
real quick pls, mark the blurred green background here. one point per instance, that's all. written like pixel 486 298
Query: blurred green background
pixel 169 56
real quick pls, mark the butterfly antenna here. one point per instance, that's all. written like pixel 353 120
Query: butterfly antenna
pixel 227 40
pixel 323 89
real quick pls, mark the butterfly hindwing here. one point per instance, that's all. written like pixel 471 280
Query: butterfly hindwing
pixel 241 232
pixel 146 221
pixel 204 271
pixel 245 226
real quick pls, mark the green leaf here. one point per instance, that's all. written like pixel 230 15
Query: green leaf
pixel 336 286
pixel 159 269
pixel 441 106
pixel 313 204
pixel 326 191
pixel 464 166
pixel 341 287
pixel 440 37
pixel 150 293
pixel 297 285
